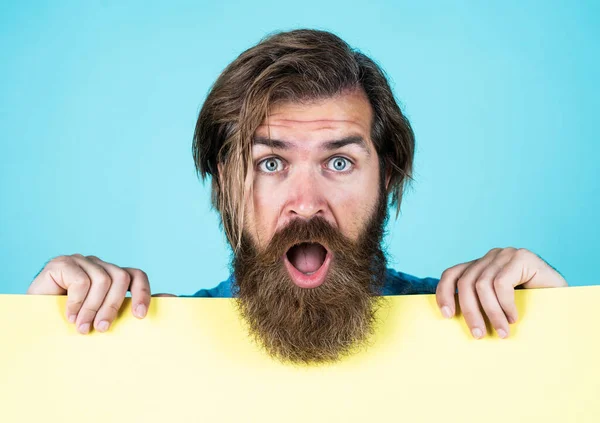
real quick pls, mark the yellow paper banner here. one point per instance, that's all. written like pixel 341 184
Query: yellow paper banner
pixel 190 360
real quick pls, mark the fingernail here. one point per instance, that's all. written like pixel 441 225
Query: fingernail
pixel 512 320
pixel 140 310
pixel 85 328
pixel 72 318
pixel 501 333
pixel 446 312
pixel 103 326
pixel 477 333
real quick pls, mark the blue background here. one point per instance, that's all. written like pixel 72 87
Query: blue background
pixel 99 99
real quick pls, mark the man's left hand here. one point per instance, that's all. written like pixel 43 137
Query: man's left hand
pixel 491 281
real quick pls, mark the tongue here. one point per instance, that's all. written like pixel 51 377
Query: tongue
pixel 307 258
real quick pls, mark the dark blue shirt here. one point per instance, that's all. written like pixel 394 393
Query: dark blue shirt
pixel 396 283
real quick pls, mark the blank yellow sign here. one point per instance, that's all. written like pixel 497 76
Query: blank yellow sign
pixel 191 360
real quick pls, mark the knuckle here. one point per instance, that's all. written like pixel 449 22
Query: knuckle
pixel 81 279
pixel 103 281
pixel 113 308
pixel 462 283
pixel 471 315
pixel 481 285
pixel 89 311
pixel 498 319
pixel 92 257
pixel 74 304
pixel 499 281
pixel 523 253
pixel 507 252
pixel 140 273
pixel 141 291
pixel 122 276
pixel 488 274
pixel 145 291
pixel 448 273
pixel 61 260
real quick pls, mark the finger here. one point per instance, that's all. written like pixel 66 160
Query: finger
pixel 140 292
pixel 67 274
pixel 467 295
pixel 446 288
pixel 504 285
pixel 115 296
pixel 469 305
pixel 100 284
pixel 487 297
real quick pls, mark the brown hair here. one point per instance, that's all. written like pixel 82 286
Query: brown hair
pixel 298 65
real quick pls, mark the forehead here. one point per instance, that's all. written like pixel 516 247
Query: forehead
pixel 345 114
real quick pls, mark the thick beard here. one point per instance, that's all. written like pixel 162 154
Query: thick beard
pixel 322 324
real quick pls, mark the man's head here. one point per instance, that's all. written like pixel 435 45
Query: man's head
pixel 304 143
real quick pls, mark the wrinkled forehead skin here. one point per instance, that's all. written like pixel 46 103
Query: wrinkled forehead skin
pixel 311 122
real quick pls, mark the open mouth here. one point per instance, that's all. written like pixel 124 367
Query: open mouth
pixel 307 264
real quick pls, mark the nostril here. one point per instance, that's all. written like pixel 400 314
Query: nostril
pixel 307 212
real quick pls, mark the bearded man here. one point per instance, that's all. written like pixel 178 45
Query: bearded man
pixel 306 147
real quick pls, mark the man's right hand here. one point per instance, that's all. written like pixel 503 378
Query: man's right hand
pixel 95 289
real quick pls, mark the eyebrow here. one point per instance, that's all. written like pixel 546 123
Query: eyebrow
pixel 327 145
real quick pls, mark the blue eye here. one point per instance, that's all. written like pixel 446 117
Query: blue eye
pixel 339 164
pixel 271 165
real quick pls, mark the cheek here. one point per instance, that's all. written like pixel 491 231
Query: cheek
pixel 353 206
pixel 263 211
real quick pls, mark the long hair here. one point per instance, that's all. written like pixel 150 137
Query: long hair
pixel 298 65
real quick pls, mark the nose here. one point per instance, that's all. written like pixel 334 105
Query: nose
pixel 306 198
